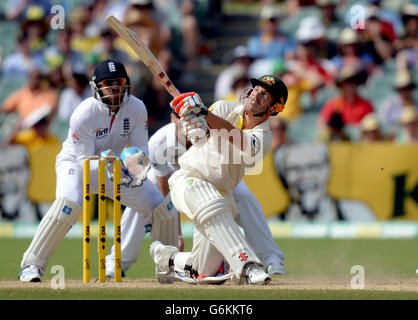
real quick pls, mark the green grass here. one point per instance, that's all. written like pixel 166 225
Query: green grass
pixel 386 262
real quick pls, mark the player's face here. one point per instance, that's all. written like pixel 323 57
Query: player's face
pixel 259 100
pixel 113 91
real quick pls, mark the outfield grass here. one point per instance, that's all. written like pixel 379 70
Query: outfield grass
pixel 317 269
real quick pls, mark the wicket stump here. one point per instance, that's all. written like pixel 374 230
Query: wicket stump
pixel 101 240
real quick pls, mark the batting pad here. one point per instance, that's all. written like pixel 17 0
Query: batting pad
pixel 165 223
pixel 62 214
pixel 214 214
pixel 223 232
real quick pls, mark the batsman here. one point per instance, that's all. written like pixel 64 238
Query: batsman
pixel 229 138
pixel 104 124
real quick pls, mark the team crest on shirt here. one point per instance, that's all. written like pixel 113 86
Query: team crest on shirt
pixel 101 132
pixel 126 127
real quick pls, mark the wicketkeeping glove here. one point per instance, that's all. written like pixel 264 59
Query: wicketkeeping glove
pixel 188 103
pixel 136 163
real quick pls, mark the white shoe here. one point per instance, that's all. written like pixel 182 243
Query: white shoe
pixel 161 255
pixel 276 269
pixel 255 275
pixel 30 273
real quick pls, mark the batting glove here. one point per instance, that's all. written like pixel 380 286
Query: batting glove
pixel 188 103
pixel 136 163
pixel 195 127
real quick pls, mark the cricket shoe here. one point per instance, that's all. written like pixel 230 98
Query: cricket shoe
pixel 161 255
pixel 254 274
pixel 171 276
pixel 274 269
pixel 30 273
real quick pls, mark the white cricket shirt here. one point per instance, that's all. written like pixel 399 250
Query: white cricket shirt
pixel 219 161
pixel 93 130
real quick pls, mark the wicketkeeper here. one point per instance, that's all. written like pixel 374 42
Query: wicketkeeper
pixel 101 125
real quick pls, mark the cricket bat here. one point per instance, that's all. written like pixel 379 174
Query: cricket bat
pixel 143 53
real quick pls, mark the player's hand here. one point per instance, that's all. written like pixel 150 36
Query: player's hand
pixel 195 127
pixel 188 103
pixel 136 163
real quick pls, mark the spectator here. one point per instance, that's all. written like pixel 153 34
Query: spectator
pixel 297 81
pixel 97 21
pixel 311 34
pixel 240 85
pixel 23 61
pixel 269 42
pixel 370 129
pixel 333 25
pixel 25 101
pixel 36 27
pixel 56 77
pixel 349 103
pixel 35 133
pixel 407 57
pixel 107 50
pixel 240 62
pixel 141 18
pixel 279 131
pixel 377 37
pixel 408 39
pixel 190 33
pixel 81 40
pixel 349 47
pixel 409 123
pixel 386 15
pixel 17 9
pixel 335 131
pixel 77 91
pixel 156 96
pixel 73 61
pixel 392 107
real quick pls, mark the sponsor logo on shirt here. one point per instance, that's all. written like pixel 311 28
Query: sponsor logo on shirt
pixel 101 132
pixel 75 138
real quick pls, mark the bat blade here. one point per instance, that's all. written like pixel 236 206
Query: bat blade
pixel 143 53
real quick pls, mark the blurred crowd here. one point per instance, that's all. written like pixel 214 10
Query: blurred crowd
pixel 352 65
pixel 49 70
